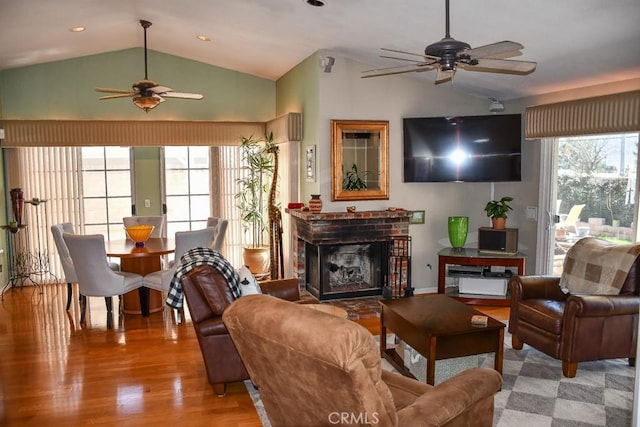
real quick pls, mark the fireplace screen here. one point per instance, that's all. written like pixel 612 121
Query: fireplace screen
pixel 346 270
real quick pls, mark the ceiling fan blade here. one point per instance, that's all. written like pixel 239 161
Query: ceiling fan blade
pixel 414 68
pixel 121 95
pixel 505 66
pixel 109 90
pixel 444 76
pixel 421 55
pixel 182 95
pixel 400 59
pixel 493 49
pixel 160 89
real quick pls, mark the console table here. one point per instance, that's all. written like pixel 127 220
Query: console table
pixel 473 257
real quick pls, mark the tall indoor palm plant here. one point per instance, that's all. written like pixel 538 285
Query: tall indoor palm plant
pixel 253 193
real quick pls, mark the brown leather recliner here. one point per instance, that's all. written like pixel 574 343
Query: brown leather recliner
pixel 322 370
pixel 575 328
pixel 208 295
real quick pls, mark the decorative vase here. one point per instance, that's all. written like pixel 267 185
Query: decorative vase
pixel 458 229
pixel 315 204
pixel 17 204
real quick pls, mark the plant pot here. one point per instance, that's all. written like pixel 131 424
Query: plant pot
pixel 499 223
pixel 458 227
pixel 257 259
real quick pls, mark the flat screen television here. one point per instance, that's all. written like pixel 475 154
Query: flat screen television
pixel 462 148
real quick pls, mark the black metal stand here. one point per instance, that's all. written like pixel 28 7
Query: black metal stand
pixel 399 275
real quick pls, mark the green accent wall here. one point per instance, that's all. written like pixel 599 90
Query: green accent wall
pixel 66 89
pixel 146 186
pixel 299 91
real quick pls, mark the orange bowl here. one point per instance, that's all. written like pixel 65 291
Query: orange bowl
pixel 139 233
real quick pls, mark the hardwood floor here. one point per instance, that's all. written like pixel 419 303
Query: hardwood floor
pixel 143 372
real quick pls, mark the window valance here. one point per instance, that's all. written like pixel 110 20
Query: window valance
pixel 614 113
pixel 63 133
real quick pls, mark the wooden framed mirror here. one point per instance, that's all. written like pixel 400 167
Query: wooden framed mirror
pixel 359 160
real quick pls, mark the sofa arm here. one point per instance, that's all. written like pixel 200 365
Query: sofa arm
pixel 601 305
pixel 538 287
pixel 457 397
pixel 287 289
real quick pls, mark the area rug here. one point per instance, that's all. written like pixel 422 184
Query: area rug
pixel 535 394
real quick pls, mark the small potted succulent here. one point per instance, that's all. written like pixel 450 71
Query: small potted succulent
pixel 497 210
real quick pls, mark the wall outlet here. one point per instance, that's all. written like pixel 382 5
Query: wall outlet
pixel 147 203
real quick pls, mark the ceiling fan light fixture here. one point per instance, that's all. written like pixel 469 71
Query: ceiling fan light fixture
pixel 146 102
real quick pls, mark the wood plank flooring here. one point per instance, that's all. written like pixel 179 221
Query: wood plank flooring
pixel 143 372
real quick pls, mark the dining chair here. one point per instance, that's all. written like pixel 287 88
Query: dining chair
pixel 57 230
pixel 156 220
pixel 94 277
pixel 184 240
pixel 220 230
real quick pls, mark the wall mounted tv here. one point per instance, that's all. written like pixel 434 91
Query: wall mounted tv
pixel 462 148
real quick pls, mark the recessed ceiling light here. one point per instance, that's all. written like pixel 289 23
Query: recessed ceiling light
pixel 316 3
pixel 77 29
pixel 203 38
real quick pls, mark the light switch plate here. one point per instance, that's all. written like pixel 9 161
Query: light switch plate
pixel 532 213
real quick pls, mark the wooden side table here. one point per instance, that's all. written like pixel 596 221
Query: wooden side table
pixel 473 257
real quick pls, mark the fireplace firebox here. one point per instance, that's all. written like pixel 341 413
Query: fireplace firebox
pixel 346 270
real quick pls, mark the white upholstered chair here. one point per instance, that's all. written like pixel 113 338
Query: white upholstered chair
pixel 156 220
pixel 94 277
pixel 220 230
pixel 184 240
pixel 57 230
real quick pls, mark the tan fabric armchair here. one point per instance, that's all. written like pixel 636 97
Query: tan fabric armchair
pixel 575 328
pixel 315 369
pixel 207 294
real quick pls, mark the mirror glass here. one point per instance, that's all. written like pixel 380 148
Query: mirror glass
pixel 359 160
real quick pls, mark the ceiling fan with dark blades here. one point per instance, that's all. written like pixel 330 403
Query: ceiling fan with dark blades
pixel 146 93
pixel 449 54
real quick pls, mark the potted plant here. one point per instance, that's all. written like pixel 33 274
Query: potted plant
pixel 252 200
pixel 354 180
pixel 497 211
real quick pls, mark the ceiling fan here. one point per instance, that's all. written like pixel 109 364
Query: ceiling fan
pixel 449 54
pixel 146 93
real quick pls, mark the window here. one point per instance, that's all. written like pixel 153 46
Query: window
pixel 187 187
pixel 105 190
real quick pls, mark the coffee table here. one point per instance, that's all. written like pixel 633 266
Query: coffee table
pixel 438 327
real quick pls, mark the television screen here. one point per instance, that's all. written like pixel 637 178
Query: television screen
pixel 462 149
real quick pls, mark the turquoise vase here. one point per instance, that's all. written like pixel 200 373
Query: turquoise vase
pixel 458 228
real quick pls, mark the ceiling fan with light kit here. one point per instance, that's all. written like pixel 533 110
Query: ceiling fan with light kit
pixel 449 54
pixel 146 94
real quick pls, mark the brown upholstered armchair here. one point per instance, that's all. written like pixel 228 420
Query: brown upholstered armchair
pixel 575 328
pixel 208 295
pixel 315 369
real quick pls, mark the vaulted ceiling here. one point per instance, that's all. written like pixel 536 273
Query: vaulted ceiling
pixel 575 42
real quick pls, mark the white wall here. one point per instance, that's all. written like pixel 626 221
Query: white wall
pixel 344 95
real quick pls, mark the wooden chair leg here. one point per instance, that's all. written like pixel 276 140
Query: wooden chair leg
pixel 69 295
pixel 220 389
pixel 516 343
pixel 108 301
pixel 569 369
pixel 83 308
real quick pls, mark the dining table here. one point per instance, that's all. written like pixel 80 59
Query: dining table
pixel 141 260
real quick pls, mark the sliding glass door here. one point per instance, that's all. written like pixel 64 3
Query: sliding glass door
pixel 595 187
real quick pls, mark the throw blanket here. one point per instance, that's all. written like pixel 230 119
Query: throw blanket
pixel 201 256
pixel 597 267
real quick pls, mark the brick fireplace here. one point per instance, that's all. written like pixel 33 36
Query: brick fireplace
pixel 344 254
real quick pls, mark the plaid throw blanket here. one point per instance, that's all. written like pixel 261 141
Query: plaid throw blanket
pixel 201 256
pixel 597 267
